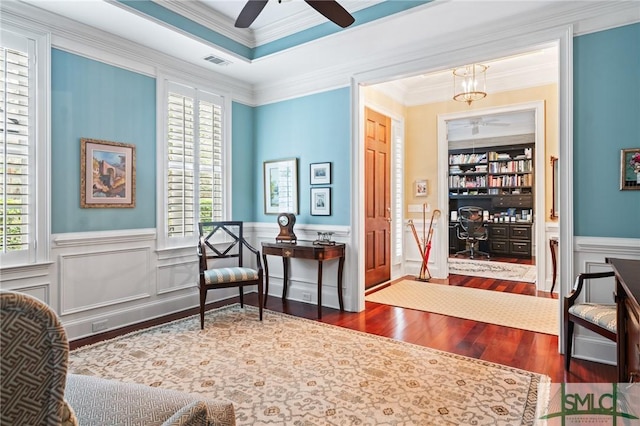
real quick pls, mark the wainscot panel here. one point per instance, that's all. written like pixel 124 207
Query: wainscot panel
pixel 590 255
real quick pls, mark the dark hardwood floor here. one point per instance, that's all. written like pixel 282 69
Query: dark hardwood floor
pixel 517 348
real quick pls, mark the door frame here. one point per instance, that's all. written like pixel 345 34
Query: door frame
pixel 537 108
pixel 492 46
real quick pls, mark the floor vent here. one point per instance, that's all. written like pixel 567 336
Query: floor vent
pixel 216 60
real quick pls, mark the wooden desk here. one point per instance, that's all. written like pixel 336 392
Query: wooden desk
pixel 627 296
pixel 304 250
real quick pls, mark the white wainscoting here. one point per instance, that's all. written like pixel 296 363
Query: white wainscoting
pixel 107 280
pixel 412 258
pixel 590 255
pixel 99 281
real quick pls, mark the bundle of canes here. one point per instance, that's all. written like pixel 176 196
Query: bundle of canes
pixel 427 246
pixel 424 246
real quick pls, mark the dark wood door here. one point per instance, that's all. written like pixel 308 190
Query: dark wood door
pixel 377 188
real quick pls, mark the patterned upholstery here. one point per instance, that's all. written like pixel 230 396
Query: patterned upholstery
pixel 229 275
pixel 99 401
pixel 34 353
pixel 597 317
pixel 602 315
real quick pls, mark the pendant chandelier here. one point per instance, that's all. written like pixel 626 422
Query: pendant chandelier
pixel 469 83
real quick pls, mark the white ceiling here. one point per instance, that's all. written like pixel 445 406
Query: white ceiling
pixel 335 58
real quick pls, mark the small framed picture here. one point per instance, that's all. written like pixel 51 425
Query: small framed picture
pixel 320 173
pixel 421 188
pixel 321 201
pixel 630 168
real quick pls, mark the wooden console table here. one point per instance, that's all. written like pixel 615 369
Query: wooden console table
pixel 627 293
pixel 304 250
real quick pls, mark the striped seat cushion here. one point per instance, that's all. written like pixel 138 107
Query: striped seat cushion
pixel 603 315
pixel 229 275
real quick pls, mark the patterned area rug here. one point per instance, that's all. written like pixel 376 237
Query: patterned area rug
pixel 491 269
pixel 531 313
pixel 292 371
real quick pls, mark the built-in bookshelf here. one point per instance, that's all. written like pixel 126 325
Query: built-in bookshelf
pixel 500 180
pixel 493 171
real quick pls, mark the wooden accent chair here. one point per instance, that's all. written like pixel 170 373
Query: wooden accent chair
pixel 222 243
pixel 597 317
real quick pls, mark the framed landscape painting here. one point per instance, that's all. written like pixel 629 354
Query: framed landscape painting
pixel 281 186
pixel 107 174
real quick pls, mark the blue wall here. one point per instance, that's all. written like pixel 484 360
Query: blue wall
pixel 606 120
pixel 244 192
pixel 313 129
pixel 90 99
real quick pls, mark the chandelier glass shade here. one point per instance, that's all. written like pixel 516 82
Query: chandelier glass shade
pixel 469 83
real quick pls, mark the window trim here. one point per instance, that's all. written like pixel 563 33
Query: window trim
pixel 164 80
pixel 38 252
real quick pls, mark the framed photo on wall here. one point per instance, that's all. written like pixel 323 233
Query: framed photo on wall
pixel 320 173
pixel 281 186
pixel 630 169
pixel 107 174
pixel 421 188
pixel 321 201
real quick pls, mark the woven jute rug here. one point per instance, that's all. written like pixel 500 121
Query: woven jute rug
pixel 292 371
pixel 531 313
pixel 491 269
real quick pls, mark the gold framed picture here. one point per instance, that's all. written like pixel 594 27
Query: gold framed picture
pixel 630 169
pixel 107 174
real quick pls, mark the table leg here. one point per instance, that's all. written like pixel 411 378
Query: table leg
pixel 319 289
pixel 266 279
pixel 285 278
pixel 340 268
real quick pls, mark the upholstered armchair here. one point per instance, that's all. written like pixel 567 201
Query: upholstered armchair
pixel 36 389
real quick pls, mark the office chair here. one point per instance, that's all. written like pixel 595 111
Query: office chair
pixel 471 228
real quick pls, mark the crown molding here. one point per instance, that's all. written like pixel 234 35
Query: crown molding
pixel 81 39
pixel 467 46
pixel 215 21
pixel 200 13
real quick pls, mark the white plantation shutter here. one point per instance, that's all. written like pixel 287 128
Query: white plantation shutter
pixel 15 152
pixel 194 190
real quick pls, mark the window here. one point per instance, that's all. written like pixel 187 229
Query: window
pixel 23 165
pixel 194 161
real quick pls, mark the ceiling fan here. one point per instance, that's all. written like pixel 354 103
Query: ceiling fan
pixel 331 9
pixel 475 124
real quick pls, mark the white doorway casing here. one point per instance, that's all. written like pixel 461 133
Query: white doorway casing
pixel 500 44
pixel 441 269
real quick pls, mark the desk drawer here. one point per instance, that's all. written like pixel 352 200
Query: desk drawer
pixel 520 248
pixel 499 231
pixel 518 201
pixel 497 246
pixel 520 232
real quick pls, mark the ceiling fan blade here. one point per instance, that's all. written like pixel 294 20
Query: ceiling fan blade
pixel 250 12
pixel 332 10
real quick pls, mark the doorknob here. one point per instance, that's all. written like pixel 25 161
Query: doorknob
pixel 389 219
